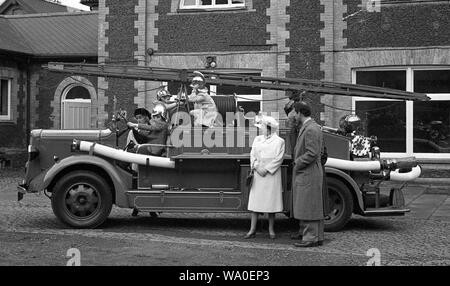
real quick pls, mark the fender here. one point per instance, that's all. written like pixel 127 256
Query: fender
pixel 120 179
pixel 344 176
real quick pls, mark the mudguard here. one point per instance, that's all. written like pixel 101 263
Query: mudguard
pixel 354 186
pixel 121 179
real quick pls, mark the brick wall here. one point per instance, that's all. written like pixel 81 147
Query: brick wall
pixel 305 44
pixel 241 30
pixel 120 48
pixel 399 25
pixel 46 91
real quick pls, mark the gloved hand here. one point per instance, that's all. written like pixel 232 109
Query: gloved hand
pixel 261 171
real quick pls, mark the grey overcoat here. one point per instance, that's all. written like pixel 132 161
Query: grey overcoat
pixel 308 173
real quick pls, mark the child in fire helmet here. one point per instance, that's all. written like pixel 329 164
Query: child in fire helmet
pixel 205 110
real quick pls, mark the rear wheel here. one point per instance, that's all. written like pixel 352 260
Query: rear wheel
pixel 340 205
pixel 82 199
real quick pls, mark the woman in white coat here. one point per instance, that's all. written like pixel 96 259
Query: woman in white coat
pixel 266 157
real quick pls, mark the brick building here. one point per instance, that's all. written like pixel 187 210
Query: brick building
pixel 30 97
pixel 399 44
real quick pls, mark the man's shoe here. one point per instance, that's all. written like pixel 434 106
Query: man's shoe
pixel 296 236
pixel 307 244
pixel 135 212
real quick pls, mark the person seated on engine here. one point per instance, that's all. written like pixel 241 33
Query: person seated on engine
pixel 136 136
pixel 155 132
pixel 170 102
pixel 205 110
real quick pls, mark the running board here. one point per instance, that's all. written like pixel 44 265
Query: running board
pixel 199 201
pixel 385 212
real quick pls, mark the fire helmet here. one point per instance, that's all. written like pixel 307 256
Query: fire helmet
pixel 162 93
pixel 198 80
pixel 159 109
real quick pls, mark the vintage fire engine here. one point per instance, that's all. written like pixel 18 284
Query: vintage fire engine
pixel 82 171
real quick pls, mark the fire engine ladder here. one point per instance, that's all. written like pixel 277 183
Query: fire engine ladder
pixel 216 78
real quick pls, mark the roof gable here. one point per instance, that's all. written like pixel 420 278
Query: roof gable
pixel 32 7
pixel 51 35
pixel 10 40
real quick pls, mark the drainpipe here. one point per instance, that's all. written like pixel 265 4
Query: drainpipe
pixel 28 108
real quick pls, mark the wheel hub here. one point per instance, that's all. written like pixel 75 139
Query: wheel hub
pixel 82 200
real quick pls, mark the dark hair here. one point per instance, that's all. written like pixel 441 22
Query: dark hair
pixel 302 108
pixel 142 111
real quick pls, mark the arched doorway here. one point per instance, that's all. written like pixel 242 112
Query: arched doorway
pixel 76 108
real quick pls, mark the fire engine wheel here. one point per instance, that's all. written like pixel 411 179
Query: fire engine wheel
pixel 340 205
pixel 82 199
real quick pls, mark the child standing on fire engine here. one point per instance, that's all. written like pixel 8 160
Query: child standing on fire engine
pixel 205 110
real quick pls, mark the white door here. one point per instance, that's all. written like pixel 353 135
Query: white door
pixel 77 114
pixel 76 109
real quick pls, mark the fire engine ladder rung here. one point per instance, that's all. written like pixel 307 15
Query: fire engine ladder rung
pixel 217 78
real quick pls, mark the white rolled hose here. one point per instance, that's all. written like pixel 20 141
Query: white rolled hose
pixel 354 165
pixel 375 166
pixel 124 156
pixel 404 177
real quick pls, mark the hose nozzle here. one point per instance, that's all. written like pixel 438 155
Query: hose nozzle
pixel 402 163
pixel 75 146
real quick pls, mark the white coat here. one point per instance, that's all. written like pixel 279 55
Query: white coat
pixel 266 192
pixel 205 110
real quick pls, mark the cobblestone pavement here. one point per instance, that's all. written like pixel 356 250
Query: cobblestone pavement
pixel 410 240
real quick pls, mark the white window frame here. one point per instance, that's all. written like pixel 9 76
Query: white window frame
pixel 212 6
pixel 8 116
pixel 409 108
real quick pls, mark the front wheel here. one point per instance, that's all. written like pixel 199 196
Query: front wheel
pixel 82 199
pixel 340 205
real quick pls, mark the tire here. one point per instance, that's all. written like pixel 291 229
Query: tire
pixel 341 205
pixel 82 199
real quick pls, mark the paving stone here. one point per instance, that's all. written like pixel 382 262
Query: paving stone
pixel 438 190
pixel 430 199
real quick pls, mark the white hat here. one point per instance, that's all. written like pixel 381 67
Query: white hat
pixel 262 120
pixel 198 76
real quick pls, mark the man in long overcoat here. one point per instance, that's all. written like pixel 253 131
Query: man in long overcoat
pixel 308 179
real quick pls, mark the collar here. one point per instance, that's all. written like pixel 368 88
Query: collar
pixel 269 138
pixel 308 119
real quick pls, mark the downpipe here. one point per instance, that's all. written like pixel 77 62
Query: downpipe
pixel 121 155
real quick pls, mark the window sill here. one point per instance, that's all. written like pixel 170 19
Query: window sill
pixel 212 10
pixel 6 122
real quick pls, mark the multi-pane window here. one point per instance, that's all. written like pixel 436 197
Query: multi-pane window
pixel 385 119
pixel 419 128
pixel 5 99
pixel 217 4
pixel 432 119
